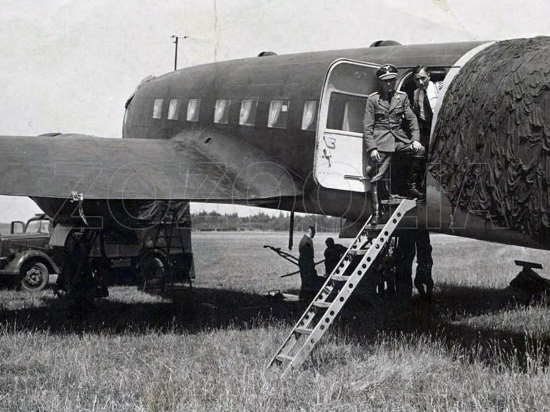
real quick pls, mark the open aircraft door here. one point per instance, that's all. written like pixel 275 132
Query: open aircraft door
pixel 339 140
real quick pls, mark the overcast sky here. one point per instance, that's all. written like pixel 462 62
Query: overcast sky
pixel 69 65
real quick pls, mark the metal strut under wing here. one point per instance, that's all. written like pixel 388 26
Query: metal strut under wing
pixel 105 168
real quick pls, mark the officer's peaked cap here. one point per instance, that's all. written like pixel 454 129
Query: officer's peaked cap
pixel 387 72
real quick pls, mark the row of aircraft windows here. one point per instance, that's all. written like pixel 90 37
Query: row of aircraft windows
pixel 277 118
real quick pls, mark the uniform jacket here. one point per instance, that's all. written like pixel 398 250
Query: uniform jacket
pixel 305 260
pixel 383 122
pixel 332 256
pixel 305 249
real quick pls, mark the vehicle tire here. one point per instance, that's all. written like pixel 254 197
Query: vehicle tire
pixel 34 276
pixel 152 271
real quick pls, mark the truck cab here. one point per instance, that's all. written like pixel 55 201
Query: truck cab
pixel 26 259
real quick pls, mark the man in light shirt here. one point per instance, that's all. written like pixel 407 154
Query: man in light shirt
pixel 424 100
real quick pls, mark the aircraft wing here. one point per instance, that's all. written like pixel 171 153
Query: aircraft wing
pixel 106 168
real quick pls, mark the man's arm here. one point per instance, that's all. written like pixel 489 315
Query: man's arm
pixel 412 122
pixel 341 249
pixel 368 125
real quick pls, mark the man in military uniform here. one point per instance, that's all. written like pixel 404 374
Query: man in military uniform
pixel 384 133
pixel 308 274
pixel 333 254
pixel 390 127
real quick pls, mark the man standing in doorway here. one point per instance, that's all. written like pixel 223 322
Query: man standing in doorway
pixel 384 132
pixel 424 100
pixel 385 135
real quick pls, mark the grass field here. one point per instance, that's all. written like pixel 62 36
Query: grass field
pixel 474 349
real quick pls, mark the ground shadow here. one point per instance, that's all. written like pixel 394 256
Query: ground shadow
pixel 211 308
pixel 201 309
pixel 442 321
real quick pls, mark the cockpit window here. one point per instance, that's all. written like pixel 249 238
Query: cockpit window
pixel 173 109
pixel 157 109
pixel 247 115
pixel 221 111
pixel 346 112
pixel 309 116
pixel 193 107
pixel 278 114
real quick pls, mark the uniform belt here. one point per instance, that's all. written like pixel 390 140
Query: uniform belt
pixel 396 127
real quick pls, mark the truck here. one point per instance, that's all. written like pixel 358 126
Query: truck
pixel 155 259
pixel 26 258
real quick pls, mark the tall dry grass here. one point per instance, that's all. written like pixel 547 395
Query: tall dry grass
pixel 475 349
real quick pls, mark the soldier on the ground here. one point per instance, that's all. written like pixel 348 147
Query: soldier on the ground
pixel 333 254
pixel 306 263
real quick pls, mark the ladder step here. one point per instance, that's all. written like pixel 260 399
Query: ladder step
pixel 394 201
pixel 321 304
pixel 359 251
pixel 283 358
pixel 374 228
pixel 312 324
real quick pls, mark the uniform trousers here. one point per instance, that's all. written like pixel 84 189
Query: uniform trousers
pixel 413 241
pixel 380 168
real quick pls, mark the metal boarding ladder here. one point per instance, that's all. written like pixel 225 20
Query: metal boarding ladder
pixel 337 289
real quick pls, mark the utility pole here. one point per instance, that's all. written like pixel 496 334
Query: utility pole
pixel 176 41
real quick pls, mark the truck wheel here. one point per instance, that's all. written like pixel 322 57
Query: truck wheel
pixel 34 276
pixel 152 272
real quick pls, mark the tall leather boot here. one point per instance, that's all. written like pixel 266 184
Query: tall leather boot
pixel 417 171
pixel 375 205
pixel 421 178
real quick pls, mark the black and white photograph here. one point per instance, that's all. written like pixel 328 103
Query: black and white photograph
pixel 275 205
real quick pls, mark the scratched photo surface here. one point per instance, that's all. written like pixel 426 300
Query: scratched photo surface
pixel 70 67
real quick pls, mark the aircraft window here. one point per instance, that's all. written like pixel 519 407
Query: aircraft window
pixel 247 115
pixel 157 109
pixel 221 111
pixel 346 112
pixel 173 109
pixel 193 107
pixel 309 117
pixel 278 114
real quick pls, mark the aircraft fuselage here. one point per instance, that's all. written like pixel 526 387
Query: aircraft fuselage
pixel 297 120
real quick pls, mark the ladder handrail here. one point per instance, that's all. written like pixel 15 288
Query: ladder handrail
pixel 335 306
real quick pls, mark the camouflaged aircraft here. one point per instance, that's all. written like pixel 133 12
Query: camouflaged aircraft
pixel 285 132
